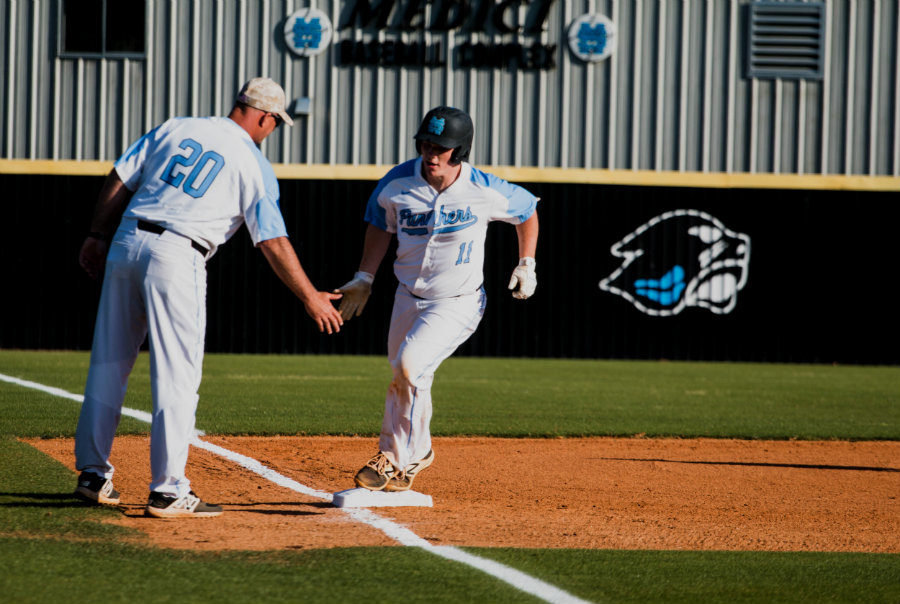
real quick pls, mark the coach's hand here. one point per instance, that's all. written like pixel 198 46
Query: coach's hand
pixel 524 280
pixel 92 257
pixel 356 294
pixel 321 309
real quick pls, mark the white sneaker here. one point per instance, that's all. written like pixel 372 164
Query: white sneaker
pixel 402 481
pixel 161 505
pixel 376 474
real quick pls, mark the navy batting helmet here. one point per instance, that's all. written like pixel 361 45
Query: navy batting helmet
pixel 448 127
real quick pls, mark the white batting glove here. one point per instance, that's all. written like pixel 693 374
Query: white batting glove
pixel 524 279
pixel 356 294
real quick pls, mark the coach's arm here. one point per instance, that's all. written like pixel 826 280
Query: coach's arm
pixel 108 212
pixel 283 260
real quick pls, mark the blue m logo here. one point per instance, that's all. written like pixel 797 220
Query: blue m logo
pixel 307 34
pixel 436 125
pixel 592 38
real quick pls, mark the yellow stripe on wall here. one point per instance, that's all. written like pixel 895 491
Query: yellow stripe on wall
pixel 48 167
pixel 643 178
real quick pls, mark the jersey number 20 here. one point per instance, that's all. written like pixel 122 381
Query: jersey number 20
pixel 198 159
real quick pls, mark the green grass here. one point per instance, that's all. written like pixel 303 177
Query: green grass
pixel 271 394
pixel 667 576
pixel 36 499
pixel 52 548
pixel 138 574
pixel 111 572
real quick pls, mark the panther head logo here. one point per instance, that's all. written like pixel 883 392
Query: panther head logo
pixel 679 259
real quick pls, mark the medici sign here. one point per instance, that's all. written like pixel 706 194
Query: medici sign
pixel 385 26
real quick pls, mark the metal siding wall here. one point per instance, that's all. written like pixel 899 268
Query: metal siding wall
pixel 673 97
pixel 840 90
pixel 7 82
pixel 16 76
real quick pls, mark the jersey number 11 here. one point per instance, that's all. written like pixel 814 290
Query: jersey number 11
pixel 465 252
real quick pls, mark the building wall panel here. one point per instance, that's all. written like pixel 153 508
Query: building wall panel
pixel 673 97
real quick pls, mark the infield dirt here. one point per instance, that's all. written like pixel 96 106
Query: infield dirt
pixel 609 493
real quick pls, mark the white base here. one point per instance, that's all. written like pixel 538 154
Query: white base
pixel 364 498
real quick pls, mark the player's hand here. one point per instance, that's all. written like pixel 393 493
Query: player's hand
pixel 524 280
pixel 323 312
pixel 92 257
pixel 356 294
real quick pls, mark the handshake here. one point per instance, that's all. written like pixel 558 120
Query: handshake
pixel 356 292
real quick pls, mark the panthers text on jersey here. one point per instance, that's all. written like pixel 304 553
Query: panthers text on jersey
pixel 440 236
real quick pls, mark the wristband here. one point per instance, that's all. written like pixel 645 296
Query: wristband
pixel 98 235
pixel 364 276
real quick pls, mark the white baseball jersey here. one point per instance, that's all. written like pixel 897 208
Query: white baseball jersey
pixel 440 301
pixel 440 236
pixel 202 178
pixel 199 179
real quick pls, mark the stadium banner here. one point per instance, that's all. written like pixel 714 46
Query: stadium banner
pixel 624 272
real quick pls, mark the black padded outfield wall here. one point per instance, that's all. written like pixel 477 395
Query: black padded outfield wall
pixel 624 272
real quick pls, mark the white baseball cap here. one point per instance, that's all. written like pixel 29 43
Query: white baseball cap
pixel 264 94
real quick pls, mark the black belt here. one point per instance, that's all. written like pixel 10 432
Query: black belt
pixel 155 228
pixel 480 287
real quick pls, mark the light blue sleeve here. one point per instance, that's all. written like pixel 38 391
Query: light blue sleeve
pixel 130 165
pixel 375 213
pixel 521 203
pixel 267 221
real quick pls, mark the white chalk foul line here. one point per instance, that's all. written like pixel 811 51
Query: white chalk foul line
pixel 142 416
pixel 397 532
pixel 259 468
pixel 403 535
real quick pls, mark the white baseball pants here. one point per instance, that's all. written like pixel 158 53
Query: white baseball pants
pixel 423 333
pixel 153 285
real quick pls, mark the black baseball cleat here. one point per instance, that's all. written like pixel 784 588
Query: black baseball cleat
pixel 94 488
pixel 161 505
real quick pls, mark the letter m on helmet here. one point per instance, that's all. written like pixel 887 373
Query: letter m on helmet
pixel 447 127
pixel 436 125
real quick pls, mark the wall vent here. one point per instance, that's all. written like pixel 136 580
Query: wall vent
pixel 786 40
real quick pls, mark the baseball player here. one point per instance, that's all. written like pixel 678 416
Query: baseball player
pixel 177 194
pixel 439 207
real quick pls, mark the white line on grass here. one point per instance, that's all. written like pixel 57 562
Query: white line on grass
pixel 397 532
pixel 136 414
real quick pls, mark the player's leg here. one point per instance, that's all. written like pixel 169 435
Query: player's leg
pixel 400 397
pixel 379 469
pixel 118 333
pixel 437 329
pixel 175 290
